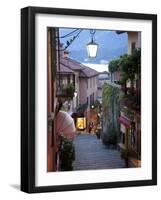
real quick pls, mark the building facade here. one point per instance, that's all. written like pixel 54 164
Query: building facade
pixel 83 78
pixel 88 86
pixel 130 100
pixel 130 124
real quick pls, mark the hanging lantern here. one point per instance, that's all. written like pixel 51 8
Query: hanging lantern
pixel 92 47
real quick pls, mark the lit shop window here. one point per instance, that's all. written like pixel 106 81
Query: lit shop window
pixel 81 123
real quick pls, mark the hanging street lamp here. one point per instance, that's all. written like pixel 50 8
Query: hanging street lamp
pixel 75 94
pixel 92 47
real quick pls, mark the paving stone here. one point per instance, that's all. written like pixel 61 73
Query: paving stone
pixel 92 154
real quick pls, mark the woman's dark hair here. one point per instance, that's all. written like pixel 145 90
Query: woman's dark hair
pixel 60 105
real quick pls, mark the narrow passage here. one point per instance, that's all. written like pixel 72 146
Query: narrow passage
pixel 90 153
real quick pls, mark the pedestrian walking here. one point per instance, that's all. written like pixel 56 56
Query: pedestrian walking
pixel 90 127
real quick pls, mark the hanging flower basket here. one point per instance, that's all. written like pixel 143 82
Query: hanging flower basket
pixel 66 91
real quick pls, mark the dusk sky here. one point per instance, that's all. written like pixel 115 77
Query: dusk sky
pixel 111 45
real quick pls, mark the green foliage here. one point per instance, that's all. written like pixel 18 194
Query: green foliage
pixel 111 137
pixel 136 60
pixel 128 113
pixel 128 97
pixel 69 90
pixel 110 93
pixel 113 65
pixel 67 154
pixel 129 68
pixel 124 63
pixel 131 101
pixel 111 109
pixel 129 65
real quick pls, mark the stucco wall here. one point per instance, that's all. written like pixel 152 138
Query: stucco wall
pixel 77 87
pixel 134 37
pixel 85 91
pixel 99 92
pixel 82 90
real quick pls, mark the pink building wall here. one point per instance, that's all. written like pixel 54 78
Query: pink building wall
pixel 83 90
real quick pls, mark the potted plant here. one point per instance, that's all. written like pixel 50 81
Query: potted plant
pixel 68 90
pixel 67 154
pixel 98 133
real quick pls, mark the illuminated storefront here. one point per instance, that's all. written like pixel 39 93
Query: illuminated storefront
pixel 81 123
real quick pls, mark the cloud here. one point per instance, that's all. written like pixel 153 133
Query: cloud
pixel 97 67
pixel 103 61
pixel 86 60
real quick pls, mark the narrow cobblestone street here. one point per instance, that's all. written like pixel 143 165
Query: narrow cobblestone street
pixel 90 153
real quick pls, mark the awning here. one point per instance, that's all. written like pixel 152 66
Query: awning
pixel 125 121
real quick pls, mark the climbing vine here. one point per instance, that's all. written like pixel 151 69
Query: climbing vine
pixel 111 93
pixel 127 65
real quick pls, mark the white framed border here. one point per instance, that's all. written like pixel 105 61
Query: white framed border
pixel 42 177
